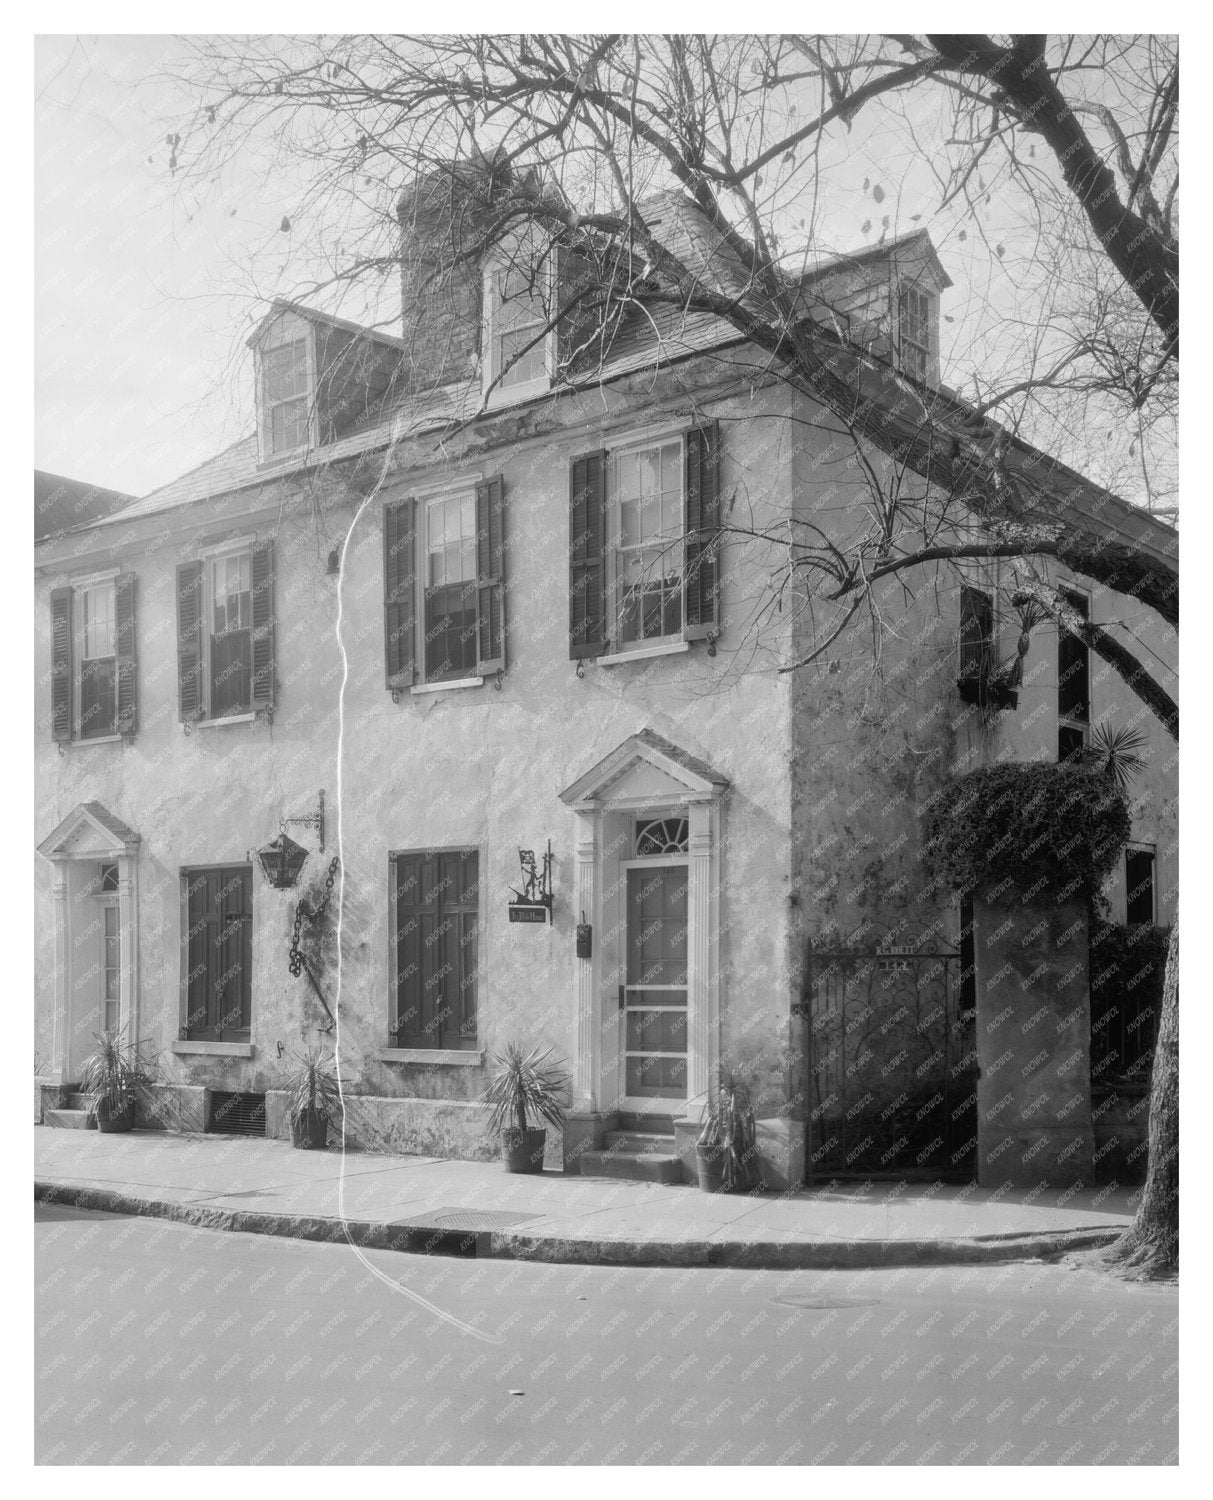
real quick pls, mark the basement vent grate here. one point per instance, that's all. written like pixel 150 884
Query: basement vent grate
pixel 236 1114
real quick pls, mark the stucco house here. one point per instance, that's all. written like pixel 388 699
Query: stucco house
pixel 425 621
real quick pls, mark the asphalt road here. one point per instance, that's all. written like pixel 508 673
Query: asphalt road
pixel 158 1343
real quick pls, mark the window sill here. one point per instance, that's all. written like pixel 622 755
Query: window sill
pixel 670 648
pixel 514 395
pixel 248 718
pixel 454 682
pixel 214 1049
pixel 96 739
pixel 435 1056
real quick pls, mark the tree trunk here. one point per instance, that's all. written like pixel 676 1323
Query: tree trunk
pixel 1150 1246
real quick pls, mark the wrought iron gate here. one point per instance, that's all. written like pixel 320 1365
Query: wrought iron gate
pixel 893 1064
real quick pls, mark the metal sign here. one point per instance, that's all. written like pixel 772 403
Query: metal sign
pixel 527 913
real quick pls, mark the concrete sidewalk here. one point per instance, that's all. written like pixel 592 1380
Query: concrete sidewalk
pixel 419 1203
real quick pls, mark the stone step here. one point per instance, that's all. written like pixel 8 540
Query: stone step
pixel 639 1142
pixel 77 1101
pixel 69 1119
pixel 632 1166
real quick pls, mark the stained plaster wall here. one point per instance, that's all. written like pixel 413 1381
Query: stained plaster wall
pixel 473 767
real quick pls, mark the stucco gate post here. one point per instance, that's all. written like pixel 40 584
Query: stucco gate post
pixel 1033 1044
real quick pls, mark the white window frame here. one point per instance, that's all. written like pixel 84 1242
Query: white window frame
pixel 657 645
pixel 505 395
pixel 208 556
pixel 80 585
pixel 265 424
pixel 905 341
pixel 465 490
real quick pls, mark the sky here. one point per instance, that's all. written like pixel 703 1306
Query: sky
pixel 144 294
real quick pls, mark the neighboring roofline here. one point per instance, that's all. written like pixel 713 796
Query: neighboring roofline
pixel 314 315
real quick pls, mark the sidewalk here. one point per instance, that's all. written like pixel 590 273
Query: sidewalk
pixel 418 1203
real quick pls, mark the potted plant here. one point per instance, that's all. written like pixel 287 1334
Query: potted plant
pixel 525 1087
pixel 726 1152
pixel 313 1101
pixel 117 1081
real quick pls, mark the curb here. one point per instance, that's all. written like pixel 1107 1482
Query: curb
pixel 425 1239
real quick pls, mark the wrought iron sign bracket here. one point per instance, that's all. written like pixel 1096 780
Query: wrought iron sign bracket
pixel 533 903
pixel 309 820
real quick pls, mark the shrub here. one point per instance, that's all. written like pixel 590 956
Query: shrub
pixel 1036 832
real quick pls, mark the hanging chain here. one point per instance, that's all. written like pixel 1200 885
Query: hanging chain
pixel 301 911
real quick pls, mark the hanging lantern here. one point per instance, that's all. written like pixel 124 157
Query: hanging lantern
pixel 282 859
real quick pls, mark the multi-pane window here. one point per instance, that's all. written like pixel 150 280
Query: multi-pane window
pixel 1073 685
pixel 97 679
pixel 449 589
pixel 231 633
pixel 914 318
pixel 518 343
pixel 647 553
pixel 286 395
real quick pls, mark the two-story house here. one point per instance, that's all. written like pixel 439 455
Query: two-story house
pixel 466 592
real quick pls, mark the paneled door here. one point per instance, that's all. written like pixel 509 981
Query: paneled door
pixel 654 995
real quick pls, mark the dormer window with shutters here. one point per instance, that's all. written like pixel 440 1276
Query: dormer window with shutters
pixel 644 538
pixel 93 683
pixel 518 346
pixel 225 633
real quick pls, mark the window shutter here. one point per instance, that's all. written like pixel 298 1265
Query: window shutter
pixel 124 651
pixel 702 586
pixel 61 664
pixel 416 919
pixel 587 555
pixel 265 665
pixel 399 594
pixel 490 577
pixel 191 659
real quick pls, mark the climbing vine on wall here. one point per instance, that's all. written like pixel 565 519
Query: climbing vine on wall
pixel 1035 832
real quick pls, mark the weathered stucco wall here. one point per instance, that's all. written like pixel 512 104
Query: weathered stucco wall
pixel 475 767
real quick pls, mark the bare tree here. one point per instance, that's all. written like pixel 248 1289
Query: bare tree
pixel 568 146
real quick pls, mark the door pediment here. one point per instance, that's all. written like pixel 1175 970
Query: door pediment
pixel 643 771
pixel 90 831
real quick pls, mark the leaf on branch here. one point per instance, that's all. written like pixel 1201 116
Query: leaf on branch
pixel 1000 251
pixel 285 226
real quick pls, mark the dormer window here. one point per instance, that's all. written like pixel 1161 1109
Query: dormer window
pixel 519 347
pixel 915 316
pixel 286 363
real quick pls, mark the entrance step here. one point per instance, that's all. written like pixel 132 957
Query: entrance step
pixel 77 1101
pixel 69 1119
pixel 639 1142
pixel 632 1166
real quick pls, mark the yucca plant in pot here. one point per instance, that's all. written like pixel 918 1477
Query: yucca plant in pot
pixel 117 1080
pixel 726 1152
pixel 526 1087
pixel 313 1100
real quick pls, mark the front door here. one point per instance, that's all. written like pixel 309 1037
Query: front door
pixel 653 1034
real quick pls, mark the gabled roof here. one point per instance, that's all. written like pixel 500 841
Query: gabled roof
pixel 915 245
pixel 90 831
pixel 314 315
pixel 61 504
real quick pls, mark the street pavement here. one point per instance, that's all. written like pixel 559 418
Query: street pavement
pixel 162 1343
pixel 228 1182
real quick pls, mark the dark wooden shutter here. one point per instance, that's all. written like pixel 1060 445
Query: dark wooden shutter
pixel 490 577
pixel 436 905
pixel 191 658
pixel 976 633
pixel 61 664
pixel 264 655
pixel 399 594
pixel 587 555
pixel 702 587
pixel 124 651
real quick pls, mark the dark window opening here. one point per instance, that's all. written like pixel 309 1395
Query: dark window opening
pixel 968 959
pixel 1073 669
pixel 437 902
pixel 1139 886
pixel 976 634
pixel 1071 742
